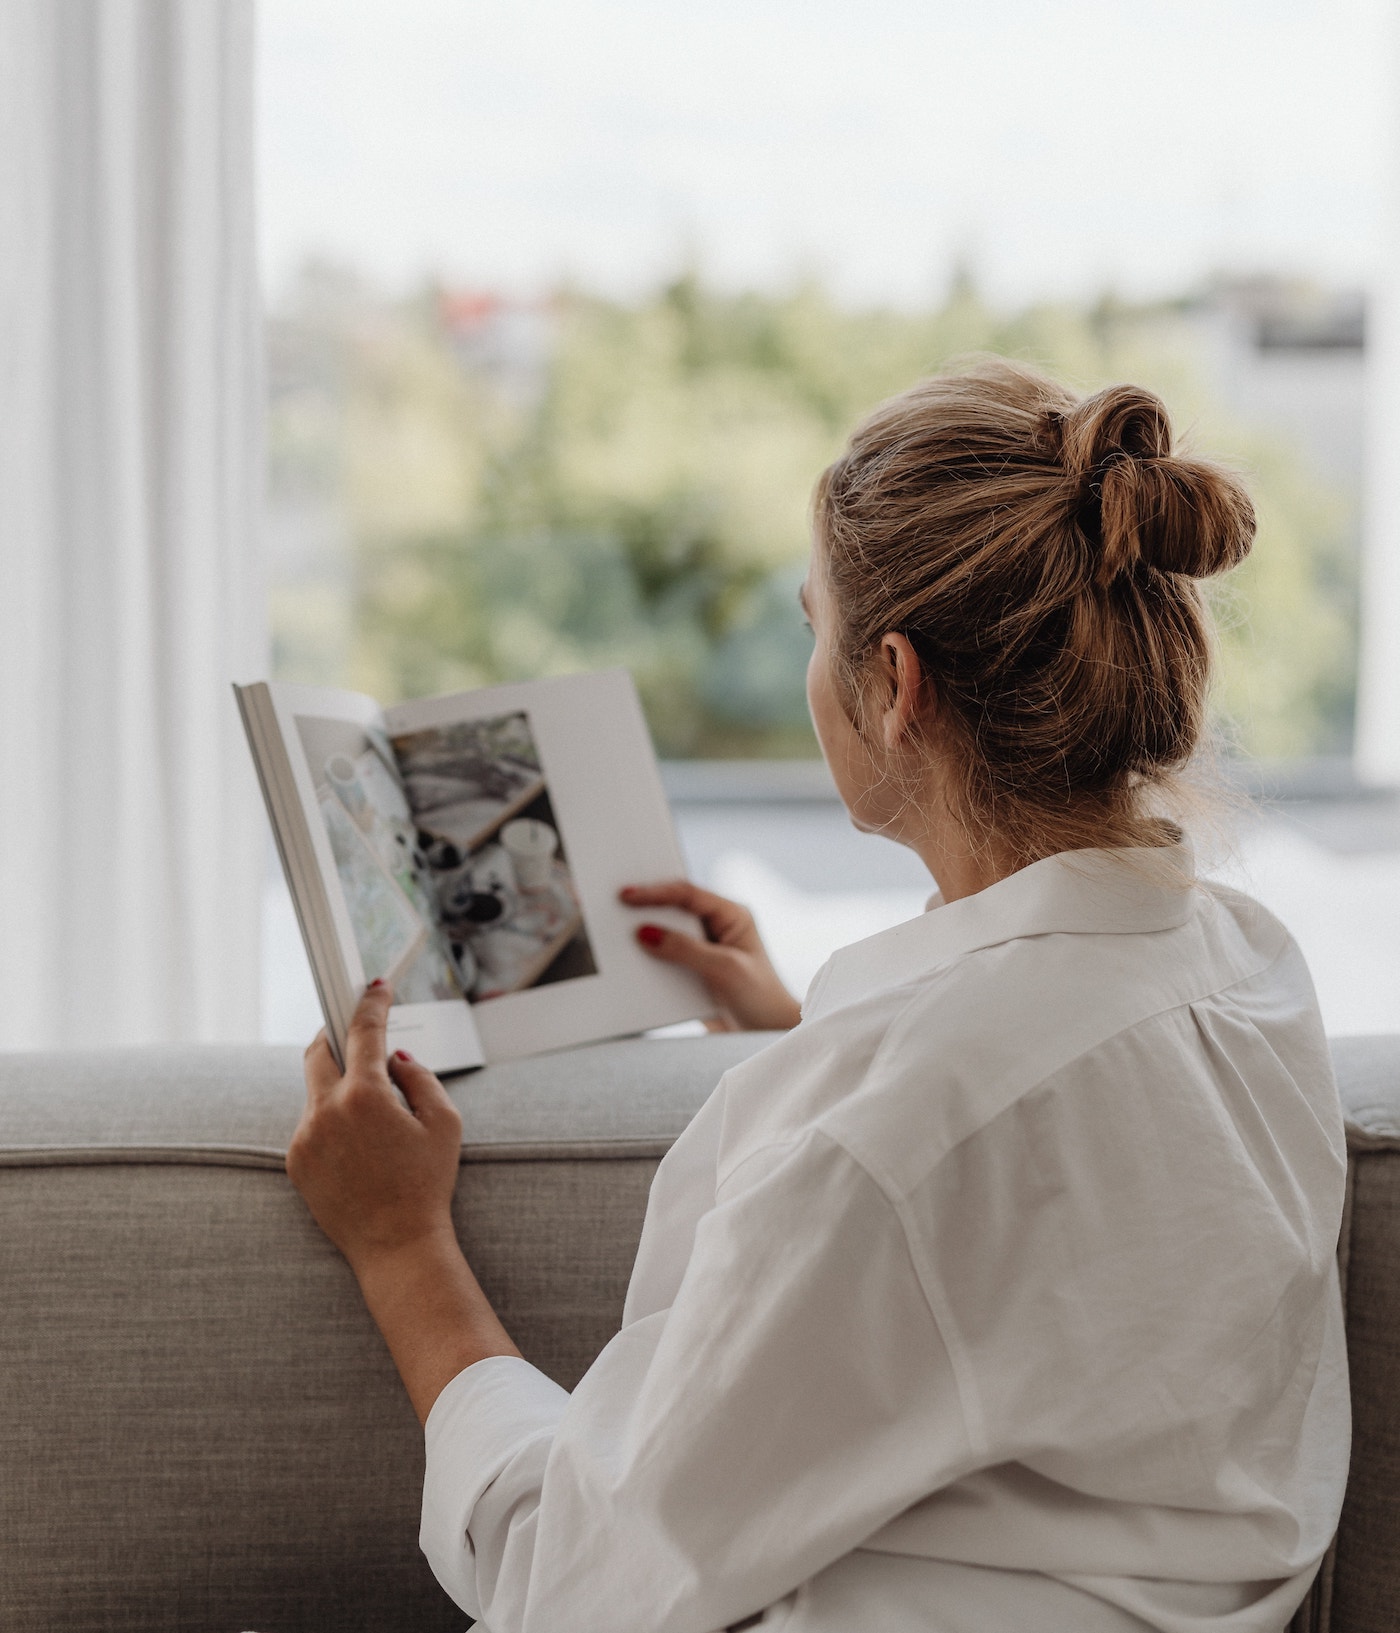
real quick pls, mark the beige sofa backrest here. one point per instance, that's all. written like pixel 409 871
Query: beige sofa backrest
pixel 1358 1589
pixel 199 1426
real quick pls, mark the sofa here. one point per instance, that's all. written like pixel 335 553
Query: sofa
pixel 200 1428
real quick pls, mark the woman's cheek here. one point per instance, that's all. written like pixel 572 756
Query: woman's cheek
pixel 812 701
pixel 820 702
pixel 844 753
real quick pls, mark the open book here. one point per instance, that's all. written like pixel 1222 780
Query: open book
pixel 469 850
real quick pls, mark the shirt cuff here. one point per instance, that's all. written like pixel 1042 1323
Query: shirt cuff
pixel 489 1413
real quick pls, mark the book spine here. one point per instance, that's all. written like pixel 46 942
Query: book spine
pixel 296 854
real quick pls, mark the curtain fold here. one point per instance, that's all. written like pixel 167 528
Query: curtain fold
pixel 130 493
pixel 1378 660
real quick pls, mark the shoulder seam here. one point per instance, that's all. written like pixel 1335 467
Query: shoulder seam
pixel 1186 1003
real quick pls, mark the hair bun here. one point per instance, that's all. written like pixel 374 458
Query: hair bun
pixel 1138 503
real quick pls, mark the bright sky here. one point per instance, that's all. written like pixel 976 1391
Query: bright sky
pixel 1058 145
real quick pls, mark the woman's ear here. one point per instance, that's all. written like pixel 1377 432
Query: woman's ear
pixel 906 689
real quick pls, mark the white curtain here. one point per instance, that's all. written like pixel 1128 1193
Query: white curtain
pixel 130 485
pixel 1378 668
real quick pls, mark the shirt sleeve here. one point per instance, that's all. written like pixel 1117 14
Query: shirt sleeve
pixel 795 1397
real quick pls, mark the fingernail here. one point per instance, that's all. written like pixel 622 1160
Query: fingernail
pixel 377 982
pixel 650 935
pixel 402 1054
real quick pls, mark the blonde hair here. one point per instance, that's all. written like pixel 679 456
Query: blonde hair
pixel 1039 551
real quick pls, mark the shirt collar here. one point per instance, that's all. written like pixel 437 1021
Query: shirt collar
pixel 1086 892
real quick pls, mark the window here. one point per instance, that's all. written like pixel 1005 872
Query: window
pixel 568 305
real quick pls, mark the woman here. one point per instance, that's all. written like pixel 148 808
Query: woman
pixel 997 1295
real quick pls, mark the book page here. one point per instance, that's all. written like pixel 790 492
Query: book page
pixel 533 804
pixel 381 897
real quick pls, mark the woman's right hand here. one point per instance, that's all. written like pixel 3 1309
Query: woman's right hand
pixel 732 960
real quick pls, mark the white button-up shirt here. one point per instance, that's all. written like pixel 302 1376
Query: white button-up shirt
pixel 999 1295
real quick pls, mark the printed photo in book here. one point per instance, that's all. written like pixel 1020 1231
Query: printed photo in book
pixel 490 842
pixel 448 850
pixel 387 889
pixel 468 850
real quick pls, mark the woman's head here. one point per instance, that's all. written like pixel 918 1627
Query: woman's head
pixel 1034 556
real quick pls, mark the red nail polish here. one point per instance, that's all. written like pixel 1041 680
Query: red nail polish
pixel 650 935
pixel 376 983
pixel 402 1054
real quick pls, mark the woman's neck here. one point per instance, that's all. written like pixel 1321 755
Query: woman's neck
pixel 957 869
pixel 960 866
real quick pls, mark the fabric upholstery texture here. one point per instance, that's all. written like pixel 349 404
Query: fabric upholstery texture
pixel 224 1101
pixel 200 1427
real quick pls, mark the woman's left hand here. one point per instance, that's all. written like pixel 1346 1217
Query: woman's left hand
pixel 377 1174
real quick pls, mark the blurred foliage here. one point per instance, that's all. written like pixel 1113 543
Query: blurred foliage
pixel 628 483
